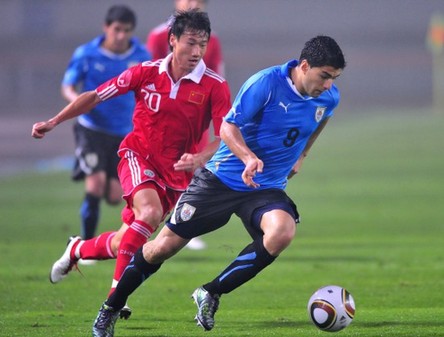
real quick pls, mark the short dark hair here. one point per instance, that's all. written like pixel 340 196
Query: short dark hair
pixel 120 13
pixel 190 20
pixel 323 51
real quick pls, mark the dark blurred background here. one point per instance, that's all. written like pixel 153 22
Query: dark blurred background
pixel 388 64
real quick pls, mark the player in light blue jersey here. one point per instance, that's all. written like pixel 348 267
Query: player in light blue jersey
pixel 99 133
pixel 275 119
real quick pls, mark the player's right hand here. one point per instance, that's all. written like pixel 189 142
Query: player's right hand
pixel 39 129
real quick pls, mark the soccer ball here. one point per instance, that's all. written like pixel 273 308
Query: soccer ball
pixel 331 308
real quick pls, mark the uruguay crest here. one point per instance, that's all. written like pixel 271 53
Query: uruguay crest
pixel 187 212
pixel 320 110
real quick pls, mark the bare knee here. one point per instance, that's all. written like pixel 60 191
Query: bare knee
pixel 151 215
pixel 113 195
pixel 276 243
pixel 147 207
pixel 279 232
pixel 95 184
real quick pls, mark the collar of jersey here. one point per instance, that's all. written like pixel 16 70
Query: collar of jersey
pixel 285 68
pixel 195 75
pixel 110 54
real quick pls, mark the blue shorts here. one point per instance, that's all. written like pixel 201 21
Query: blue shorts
pixel 208 204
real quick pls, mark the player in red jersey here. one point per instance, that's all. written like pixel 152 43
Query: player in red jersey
pixel 176 99
pixel 157 44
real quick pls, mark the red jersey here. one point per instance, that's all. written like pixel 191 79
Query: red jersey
pixel 169 118
pixel 157 44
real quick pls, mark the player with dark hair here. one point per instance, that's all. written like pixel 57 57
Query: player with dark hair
pixel 176 99
pixel 99 133
pixel 274 121
pixel 157 39
pixel 158 45
pixel 120 13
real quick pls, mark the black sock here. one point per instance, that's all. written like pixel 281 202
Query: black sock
pixel 135 274
pixel 247 265
pixel 89 213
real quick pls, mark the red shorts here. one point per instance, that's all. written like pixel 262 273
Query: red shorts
pixel 136 173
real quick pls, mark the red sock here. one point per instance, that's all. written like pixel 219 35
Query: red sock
pixel 98 248
pixel 134 238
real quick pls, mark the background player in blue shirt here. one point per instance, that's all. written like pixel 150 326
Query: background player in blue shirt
pixel 99 133
pixel 275 119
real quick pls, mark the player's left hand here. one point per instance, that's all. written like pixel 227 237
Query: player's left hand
pixel 189 162
pixel 253 166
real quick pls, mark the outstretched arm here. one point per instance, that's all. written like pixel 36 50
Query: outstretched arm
pixel 82 104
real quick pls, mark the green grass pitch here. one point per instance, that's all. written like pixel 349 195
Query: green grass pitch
pixel 371 197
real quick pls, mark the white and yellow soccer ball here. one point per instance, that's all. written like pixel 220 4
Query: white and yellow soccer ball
pixel 331 308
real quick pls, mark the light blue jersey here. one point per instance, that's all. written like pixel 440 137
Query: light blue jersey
pixel 90 66
pixel 276 122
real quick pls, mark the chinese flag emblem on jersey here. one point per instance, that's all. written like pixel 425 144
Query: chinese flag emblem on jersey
pixel 196 97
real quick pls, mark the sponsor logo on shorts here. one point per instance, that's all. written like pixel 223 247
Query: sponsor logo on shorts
pixel 92 160
pixel 187 212
pixel 149 173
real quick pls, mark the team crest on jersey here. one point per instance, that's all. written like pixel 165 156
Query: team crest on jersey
pixel 187 212
pixel 196 97
pixel 149 173
pixel 99 67
pixel 124 79
pixel 320 110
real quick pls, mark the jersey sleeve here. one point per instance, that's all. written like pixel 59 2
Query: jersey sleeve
pixel 119 85
pixel 250 100
pixel 335 99
pixel 76 68
pixel 221 102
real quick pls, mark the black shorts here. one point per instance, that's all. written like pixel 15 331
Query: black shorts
pixel 208 204
pixel 95 151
